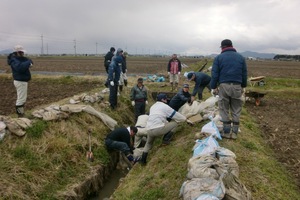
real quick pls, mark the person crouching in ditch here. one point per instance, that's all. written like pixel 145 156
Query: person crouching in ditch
pixel 122 139
pixel 21 74
pixel 158 124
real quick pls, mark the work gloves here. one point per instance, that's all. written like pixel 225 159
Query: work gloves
pixel 214 92
pixel 146 102
pixel 112 83
pixel 133 103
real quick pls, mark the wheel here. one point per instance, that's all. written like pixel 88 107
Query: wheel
pixel 257 101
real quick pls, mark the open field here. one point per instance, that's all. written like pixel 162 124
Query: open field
pixel 277 116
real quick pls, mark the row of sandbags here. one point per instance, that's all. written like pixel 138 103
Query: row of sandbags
pixel 212 170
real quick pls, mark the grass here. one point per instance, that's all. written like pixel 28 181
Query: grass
pixel 51 157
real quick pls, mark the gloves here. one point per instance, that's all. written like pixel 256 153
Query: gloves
pixel 178 73
pixel 112 83
pixel 146 102
pixel 214 92
pixel 168 73
pixel 133 103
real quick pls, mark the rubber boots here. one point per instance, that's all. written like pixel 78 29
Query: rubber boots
pixel 121 88
pixel 125 83
pixel 20 111
pixel 143 161
pixel 235 130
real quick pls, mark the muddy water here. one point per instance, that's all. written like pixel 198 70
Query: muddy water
pixel 110 186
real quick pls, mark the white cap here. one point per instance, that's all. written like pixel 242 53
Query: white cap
pixel 19 48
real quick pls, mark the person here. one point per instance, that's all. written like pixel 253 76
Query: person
pixel 202 80
pixel 174 69
pixel 158 124
pixel 139 98
pixel 181 98
pixel 229 78
pixel 107 60
pixel 20 66
pixel 114 72
pixel 123 76
pixel 122 139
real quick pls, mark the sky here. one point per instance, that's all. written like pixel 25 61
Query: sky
pixel 184 27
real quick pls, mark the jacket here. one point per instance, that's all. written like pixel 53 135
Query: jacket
pixel 114 69
pixel 179 99
pixel 159 113
pixel 229 67
pixel 201 79
pixel 139 94
pixel 20 67
pixel 121 135
pixel 174 66
pixel 107 58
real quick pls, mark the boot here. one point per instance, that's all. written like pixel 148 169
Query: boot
pixel 172 87
pixel 121 88
pixel 20 111
pixel 144 158
pixel 235 130
pixel 226 130
pixel 176 86
pixel 167 138
pixel 125 83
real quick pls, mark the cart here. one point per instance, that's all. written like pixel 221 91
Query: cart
pixel 259 80
pixel 257 96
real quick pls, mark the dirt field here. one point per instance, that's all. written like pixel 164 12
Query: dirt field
pixel 278 117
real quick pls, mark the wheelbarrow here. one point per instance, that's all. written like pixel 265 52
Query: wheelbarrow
pixel 259 80
pixel 257 96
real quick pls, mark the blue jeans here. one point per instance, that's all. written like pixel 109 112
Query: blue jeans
pixel 121 146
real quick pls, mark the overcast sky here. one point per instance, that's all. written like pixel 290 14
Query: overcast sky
pixel 185 27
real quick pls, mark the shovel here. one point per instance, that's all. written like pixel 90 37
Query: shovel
pixel 89 154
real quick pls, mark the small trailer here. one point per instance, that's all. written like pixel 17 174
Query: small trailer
pixel 259 80
pixel 257 96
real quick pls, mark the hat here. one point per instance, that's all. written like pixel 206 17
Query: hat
pixel 161 96
pixel 112 49
pixel 140 80
pixel 190 75
pixel 18 48
pixel 226 43
pixel 119 50
pixel 125 53
pixel 186 86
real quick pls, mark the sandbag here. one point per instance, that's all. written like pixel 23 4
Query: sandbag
pixel 206 146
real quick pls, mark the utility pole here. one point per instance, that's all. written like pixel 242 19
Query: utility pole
pixel 75 47
pixel 42 49
pixel 96 48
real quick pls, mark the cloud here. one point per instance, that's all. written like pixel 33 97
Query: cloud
pixel 182 27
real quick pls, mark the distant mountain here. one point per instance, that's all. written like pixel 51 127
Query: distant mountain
pixel 255 55
pixel 258 55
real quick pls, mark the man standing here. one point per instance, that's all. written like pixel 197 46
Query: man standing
pixel 174 69
pixel 114 72
pixel 122 139
pixel 107 58
pixel 123 76
pixel 229 77
pixel 180 98
pixel 158 124
pixel 202 80
pixel 139 98
pixel 20 69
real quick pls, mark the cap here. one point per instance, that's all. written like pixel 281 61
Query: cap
pixel 226 43
pixel 18 48
pixel 190 75
pixel 186 85
pixel 140 80
pixel 125 53
pixel 119 50
pixel 161 96
pixel 112 49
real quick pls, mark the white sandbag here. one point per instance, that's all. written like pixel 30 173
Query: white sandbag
pixel 212 129
pixel 205 196
pixel 202 167
pixel 206 146
pixel 2 126
pixel 227 158
pixel 192 189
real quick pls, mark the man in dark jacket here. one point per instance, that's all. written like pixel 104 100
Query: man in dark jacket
pixel 122 139
pixel 180 98
pixel 108 57
pixel 202 80
pixel 20 69
pixel 139 98
pixel 114 73
pixel 229 77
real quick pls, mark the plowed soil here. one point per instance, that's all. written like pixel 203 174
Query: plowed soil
pixel 278 116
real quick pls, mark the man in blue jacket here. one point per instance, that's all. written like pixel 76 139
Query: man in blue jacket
pixel 202 80
pixel 114 72
pixel 181 98
pixel 20 69
pixel 229 78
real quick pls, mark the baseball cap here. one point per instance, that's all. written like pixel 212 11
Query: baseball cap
pixel 226 43
pixel 18 48
pixel 161 96
pixel 186 85
pixel 140 80
pixel 119 50
pixel 190 75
